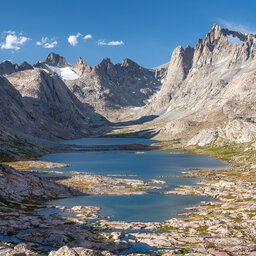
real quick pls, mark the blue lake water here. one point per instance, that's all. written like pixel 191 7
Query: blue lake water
pixel 142 208
pixel 108 141
pixel 145 165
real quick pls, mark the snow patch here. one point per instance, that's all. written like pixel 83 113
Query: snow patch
pixel 221 61
pixel 45 70
pixel 65 73
pixel 234 40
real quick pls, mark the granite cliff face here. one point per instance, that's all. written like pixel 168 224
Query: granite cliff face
pixel 7 67
pixel 56 60
pixel 57 100
pixel 203 95
pixel 37 107
pixel 109 86
pixel 18 119
pixel 50 96
pixel 209 89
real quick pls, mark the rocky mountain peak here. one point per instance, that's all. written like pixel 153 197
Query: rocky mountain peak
pixel 128 62
pixel 54 59
pixel 179 67
pixel 105 70
pixel 213 35
pixel 183 55
pixel 243 37
pixel 6 62
pixel 105 66
pixel 189 48
pixel 80 66
pixel 216 33
pixel 80 62
pixel 24 66
pixel 7 67
pixel 216 28
pixel 105 61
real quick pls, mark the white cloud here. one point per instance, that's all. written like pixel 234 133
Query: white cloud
pixel 12 41
pixel 111 43
pixel 50 45
pixel 47 43
pixel 236 27
pixel 101 42
pixel 10 32
pixel 73 39
pixel 116 43
pixel 89 36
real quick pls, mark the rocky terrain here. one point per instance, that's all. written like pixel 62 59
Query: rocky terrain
pixel 73 99
pixel 50 96
pixel 102 185
pixel 202 101
pixel 223 227
pixel 208 93
pixel 17 186
pixel 37 109
pixel 7 67
pixel 107 87
pixel 203 95
pixel 115 86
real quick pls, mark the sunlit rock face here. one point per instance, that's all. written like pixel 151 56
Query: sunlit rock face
pixel 212 84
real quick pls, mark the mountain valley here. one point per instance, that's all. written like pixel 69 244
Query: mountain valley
pixel 201 102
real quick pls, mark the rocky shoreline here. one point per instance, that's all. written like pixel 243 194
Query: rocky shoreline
pixel 222 227
pixel 102 185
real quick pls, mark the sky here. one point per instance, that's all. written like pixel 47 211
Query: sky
pixel 145 31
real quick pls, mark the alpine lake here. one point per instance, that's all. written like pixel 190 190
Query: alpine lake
pixel 154 206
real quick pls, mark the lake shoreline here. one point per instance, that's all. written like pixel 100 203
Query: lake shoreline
pixel 205 228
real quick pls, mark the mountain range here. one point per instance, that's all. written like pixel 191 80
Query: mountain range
pixel 203 95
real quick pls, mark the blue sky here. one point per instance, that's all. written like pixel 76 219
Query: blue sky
pixel 144 30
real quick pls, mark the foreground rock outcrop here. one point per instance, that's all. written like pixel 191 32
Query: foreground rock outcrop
pixel 17 186
pixel 78 251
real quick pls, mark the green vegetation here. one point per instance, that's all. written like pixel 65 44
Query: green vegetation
pixel 70 238
pixel 167 228
pixel 182 251
pixel 202 228
pixel 211 245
